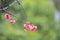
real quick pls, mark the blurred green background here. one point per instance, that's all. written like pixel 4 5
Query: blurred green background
pixel 38 12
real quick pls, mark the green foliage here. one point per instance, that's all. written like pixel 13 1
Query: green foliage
pixel 39 13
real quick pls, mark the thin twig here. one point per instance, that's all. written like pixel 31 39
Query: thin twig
pixel 23 10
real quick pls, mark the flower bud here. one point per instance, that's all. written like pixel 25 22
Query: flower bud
pixel 7 16
pixel 24 30
pixel 12 21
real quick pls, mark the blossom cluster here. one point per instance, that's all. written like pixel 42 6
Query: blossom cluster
pixel 29 27
pixel 8 17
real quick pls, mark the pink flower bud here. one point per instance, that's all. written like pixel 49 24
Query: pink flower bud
pixel 30 27
pixel 24 30
pixel 12 21
pixel 34 28
pixel 7 16
pixel 26 25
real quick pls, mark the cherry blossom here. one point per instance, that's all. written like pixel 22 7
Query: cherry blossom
pixel 26 25
pixel 33 28
pixel 30 27
pixel 12 21
pixel 7 16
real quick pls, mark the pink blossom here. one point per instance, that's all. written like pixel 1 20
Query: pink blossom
pixel 12 21
pixel 33 28
pixel 7 16
pixel 26 25
pixel 30 27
